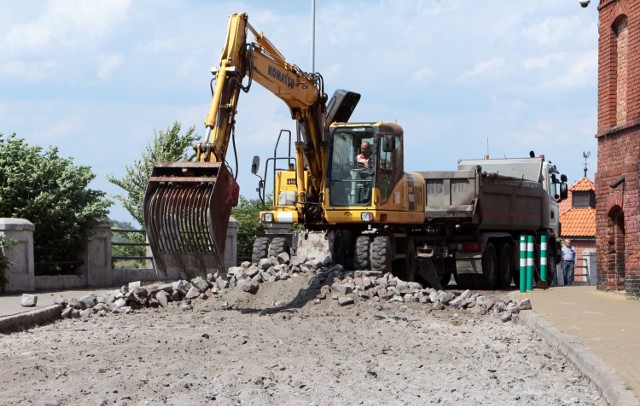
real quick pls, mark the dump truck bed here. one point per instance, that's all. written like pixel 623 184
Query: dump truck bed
pixel 488 200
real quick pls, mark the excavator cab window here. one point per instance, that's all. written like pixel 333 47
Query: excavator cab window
pixel 353 166
pixel 391 165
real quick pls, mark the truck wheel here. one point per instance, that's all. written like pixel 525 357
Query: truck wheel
pixel 506 266
pixel 361 257
pixel 381 254
pixel 489 276
pixel 465 281
pixel 278 246
pixel 259 250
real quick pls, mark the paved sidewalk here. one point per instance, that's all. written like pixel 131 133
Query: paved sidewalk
pixel 604 324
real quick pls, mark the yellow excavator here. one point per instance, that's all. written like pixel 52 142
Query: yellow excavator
pixel 345 183
pixel 187 205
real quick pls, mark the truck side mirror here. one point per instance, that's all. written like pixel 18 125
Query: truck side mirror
pixel 563 178
pixel 388 143
pixel 563 191
pixel 255 164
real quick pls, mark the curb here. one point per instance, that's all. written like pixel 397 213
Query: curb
pixel 26 320
pixel 613 387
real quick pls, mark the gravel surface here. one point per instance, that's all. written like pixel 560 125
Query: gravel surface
pixel 281 346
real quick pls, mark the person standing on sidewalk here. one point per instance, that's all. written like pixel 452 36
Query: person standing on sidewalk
pixel 568 262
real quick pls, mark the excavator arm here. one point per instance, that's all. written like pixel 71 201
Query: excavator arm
pixel 188 204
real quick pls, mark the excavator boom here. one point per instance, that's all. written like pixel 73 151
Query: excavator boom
pixel 187 205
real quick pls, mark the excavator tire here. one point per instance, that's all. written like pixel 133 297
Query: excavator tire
pixel 278 246
pixel 381 254
pixel 361 257
pixel 260 249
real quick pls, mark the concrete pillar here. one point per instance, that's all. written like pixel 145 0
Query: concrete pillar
pixel 231 246
pixel 590 255
pixel 97 257
pixel 21 272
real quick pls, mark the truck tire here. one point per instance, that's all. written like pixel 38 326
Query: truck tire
pixel 465 280
pixel 259 250
pixel 506 266
pixel 278 246
pixel 381 254
pixel 361 257
pixel 489 277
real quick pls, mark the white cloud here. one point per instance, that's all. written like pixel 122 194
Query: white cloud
pixel 108 65
pixel 553 30
pixel 65 24
pixel 422 76
pixel 489 67
pixel 63 128
pixel 29 72
pixel 579 70
pixel 543 61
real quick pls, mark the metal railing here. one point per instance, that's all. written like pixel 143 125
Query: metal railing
pixel 115 244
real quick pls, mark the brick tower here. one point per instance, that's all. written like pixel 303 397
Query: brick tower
pixel 617 180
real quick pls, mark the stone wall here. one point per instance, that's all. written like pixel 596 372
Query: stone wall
pixel 96 270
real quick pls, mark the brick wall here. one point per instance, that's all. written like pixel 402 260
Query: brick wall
pixel 617 209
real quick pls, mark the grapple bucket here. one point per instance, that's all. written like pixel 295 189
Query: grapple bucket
pixel 187 207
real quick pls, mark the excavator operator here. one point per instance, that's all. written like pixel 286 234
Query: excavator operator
pixel 365 153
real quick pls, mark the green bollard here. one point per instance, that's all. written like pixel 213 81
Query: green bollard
pixel 543 258
pixel 523 263
pixel 529 262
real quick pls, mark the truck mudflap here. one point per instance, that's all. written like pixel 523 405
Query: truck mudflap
pixel 427 271
pixel 187 207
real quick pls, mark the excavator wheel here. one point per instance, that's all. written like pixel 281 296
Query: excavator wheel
pixel 260 249
pixel 381 254
pixel 361 257
pixel 278 246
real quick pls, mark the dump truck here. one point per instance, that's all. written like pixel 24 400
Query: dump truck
pixel 475 216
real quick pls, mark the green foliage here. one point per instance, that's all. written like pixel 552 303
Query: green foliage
pixel 127 250
pixel 52 193
pixel 167 146
pixel 5 245
pixel 249 226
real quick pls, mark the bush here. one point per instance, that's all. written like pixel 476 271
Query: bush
pixel 51 192
pixel 247 213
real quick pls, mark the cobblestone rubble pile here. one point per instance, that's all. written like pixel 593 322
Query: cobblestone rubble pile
pixel 332 280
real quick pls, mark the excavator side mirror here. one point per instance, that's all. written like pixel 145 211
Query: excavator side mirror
pixel 255 165
pixel 388 144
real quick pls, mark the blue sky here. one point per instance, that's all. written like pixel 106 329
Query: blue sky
pixel 97 78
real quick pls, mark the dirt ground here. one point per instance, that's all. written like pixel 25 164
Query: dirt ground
pixel 278 347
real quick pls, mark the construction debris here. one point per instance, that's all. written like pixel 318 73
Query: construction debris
pixel 332 282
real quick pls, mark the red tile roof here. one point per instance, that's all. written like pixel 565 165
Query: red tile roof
pixel 582 185
pixel 578 222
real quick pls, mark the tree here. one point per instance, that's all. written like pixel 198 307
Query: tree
pixel 167 146
pixel 247 213
pixel 52 193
